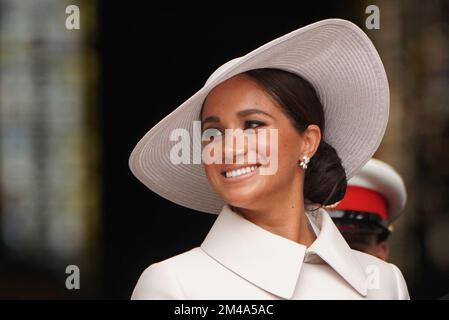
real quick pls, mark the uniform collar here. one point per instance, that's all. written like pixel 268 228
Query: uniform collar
pixel 274 263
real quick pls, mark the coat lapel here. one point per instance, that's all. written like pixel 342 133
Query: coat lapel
pixel 333 249
pixel 273 263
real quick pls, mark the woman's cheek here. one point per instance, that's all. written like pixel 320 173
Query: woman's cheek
pixel 268 150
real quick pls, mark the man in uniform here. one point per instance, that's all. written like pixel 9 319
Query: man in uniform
pixel 374 199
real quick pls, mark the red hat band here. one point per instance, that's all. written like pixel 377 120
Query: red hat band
pixel 363 199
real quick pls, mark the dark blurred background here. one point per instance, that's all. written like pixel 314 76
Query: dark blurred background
pixel 75 102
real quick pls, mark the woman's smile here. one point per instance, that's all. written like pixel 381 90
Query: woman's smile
pixel 237 173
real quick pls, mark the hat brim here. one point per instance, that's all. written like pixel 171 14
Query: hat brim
pixel 340 61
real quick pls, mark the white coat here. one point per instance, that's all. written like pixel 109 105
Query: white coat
pixel 240 260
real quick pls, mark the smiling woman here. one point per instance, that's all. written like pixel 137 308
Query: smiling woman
pixel 288 103
pixel 324 92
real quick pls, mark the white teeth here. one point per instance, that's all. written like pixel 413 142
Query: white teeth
pixel 238 172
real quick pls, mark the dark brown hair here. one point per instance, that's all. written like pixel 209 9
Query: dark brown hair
pixel 325 178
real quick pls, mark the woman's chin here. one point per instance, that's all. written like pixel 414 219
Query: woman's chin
pixel 241 199
pixel 243 193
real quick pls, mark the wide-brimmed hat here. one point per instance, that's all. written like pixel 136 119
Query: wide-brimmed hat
pixel 334 55
pixel 378 189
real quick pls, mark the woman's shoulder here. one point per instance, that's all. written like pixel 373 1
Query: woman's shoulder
pixel 161 279
pixel 187 257
pixel 383 277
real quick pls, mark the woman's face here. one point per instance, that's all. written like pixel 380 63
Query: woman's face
pixel 240 103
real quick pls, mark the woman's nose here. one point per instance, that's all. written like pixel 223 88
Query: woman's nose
pixel 234 146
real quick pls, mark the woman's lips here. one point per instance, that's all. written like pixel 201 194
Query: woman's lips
pixel 238 173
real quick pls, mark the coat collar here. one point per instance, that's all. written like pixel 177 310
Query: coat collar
pixel 274 263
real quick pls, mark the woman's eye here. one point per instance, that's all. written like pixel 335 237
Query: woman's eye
pixel 210 134
pixel 253 124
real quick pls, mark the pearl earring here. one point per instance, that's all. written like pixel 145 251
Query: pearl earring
pixel 304 162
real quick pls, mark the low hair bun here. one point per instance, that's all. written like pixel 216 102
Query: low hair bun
pixel 325 178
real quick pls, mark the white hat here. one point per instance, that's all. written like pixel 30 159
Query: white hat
pixel 382 180
pixel 334 55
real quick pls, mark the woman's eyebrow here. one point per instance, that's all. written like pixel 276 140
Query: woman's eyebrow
pixel 247 112
pixel 241 113
pixel 211 119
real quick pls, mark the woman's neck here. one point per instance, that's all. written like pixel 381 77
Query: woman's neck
pixel 287 220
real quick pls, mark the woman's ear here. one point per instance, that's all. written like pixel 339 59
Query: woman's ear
pixel 311 140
